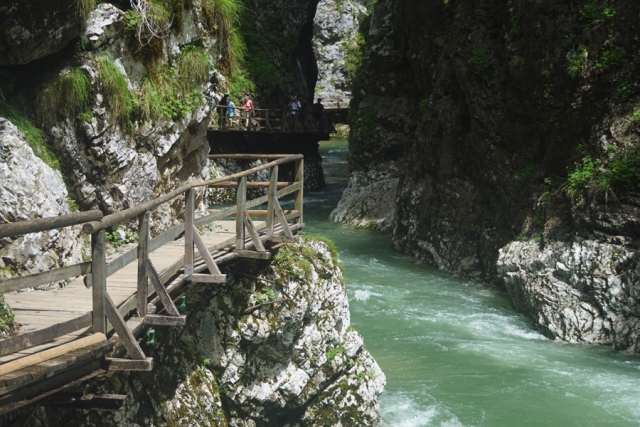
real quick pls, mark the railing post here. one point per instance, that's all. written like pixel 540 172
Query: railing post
pixel 273 187
pixel 299 193
pixel 242 201
pixel 99 280
pixel 143 255
pixel 189 207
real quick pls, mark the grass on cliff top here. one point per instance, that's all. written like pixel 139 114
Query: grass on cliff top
pixel 116 92
pixel 223 18
pixel 174 92
pixel 68 92
pixel 34 136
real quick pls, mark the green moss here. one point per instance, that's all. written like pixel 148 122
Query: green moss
pixel 333 249
pixel 526 172
pixel 622 169
pixel 611 57
pixel 269 51
pixel 353 56
pixel 116 92
pixel 333 352
pixel 193 67
pixel 7 319
pixel 34 136
pixel 480 63
pixel 69 92
pixel 173 92
pixel 223 17
pixel 578 62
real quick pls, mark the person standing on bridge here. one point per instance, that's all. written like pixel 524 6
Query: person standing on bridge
pixel 294 110
pixel 318 115
pixel 222 111
pixel 232 112
pixel 247 103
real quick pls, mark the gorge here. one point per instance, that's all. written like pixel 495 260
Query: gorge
pixel 495 140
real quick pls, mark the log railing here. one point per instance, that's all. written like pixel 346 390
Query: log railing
pixel 271 120
pixel 96 272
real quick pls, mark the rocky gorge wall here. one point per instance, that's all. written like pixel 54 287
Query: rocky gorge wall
pixel 506 134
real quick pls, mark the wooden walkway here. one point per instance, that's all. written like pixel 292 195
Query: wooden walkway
pixel 70 335
pixel 36 310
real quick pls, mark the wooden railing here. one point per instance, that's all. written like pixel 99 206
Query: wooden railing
pixel 272 120
pixel 98 270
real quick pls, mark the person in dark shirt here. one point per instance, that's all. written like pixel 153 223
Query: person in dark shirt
pixel 318 115
pixel 222 111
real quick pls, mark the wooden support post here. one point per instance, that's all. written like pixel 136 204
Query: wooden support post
pixel 99 280
pixel 158 320
pixel 253 233
pixel 143 255
pixel 164 296
pixel 189 212
pixel 282 219
pixel 211 264
pixel 128 339
pixel 111 364
pixel 273 183
pixel 242 201
pixel 300 193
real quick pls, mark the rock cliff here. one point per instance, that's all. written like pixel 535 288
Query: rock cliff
pixel 272 347
pixel 508 121
pixel 336 47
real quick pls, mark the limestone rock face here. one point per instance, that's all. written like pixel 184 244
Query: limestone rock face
pixel 581 291
pixel 274 351
pixel 112 169
pixel 30 189
pixel 335 37
pixel 369 200
pixel 502 134
pixel 31 30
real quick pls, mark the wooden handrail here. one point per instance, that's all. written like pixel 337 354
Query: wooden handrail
pixel 247 156
pixel 44 224
pixel 105 315
pixel 118 217
pixel 38 279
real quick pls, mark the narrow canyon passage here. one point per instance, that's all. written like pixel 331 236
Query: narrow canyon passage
pixel 456 353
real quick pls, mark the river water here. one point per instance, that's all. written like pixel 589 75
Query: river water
pixel 455 353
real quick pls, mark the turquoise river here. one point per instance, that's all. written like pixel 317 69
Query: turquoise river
pixel 454 352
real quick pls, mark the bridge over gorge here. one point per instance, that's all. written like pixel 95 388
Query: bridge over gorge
pixel 88 329
pixel 276 131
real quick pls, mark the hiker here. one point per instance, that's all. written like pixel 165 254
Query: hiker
pixel 247 103
pixel 231 111
pixel 294 110
pixel 222 111
pixel 318 115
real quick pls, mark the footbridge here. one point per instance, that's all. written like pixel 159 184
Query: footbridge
pixel 80 334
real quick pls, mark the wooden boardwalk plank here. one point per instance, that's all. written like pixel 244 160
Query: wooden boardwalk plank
pixel 39 309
